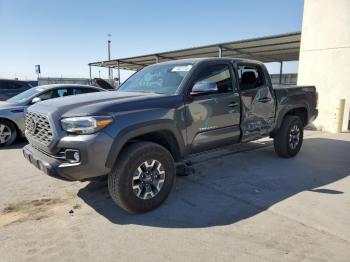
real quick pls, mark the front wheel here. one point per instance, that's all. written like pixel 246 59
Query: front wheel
pixel 8 132
pixel 289 138
pixel 142 177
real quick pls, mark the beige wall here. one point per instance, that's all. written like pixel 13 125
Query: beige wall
pixel 325 56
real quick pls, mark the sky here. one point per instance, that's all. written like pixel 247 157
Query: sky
pixel 64 36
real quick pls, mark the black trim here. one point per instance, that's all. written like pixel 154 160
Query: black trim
pixel 134 131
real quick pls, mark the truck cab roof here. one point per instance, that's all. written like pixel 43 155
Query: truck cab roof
pixel 208 59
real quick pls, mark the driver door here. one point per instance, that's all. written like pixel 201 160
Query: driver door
pixel 213 118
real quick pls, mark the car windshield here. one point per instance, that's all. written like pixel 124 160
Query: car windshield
pixel 161 79
pixel 24 95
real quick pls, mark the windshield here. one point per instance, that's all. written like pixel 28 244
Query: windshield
pixel 24 95
pixel 161 79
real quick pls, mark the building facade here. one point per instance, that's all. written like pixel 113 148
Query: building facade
pixel 325 57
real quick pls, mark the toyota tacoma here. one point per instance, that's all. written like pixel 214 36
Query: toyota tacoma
pixel 140 133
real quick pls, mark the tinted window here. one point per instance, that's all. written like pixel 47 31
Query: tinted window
pixel 78 91
pixel 11 85
pixel 219 75
pixel 250 77
pixel 3 85
pixel 62 92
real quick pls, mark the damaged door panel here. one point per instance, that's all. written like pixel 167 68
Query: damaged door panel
pixel 258 103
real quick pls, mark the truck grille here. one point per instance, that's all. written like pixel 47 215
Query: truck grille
pixel 38 128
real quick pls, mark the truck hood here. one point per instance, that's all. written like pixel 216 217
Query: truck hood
pixel 90 104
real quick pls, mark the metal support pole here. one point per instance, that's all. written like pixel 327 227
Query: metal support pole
pixel 90 74
pixel 157 59
pixel 281 72
pixel 220 51
pixel 110 70
pixel 118 73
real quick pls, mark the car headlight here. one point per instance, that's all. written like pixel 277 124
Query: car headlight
pixel 85 124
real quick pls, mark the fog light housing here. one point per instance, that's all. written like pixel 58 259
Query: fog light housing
pixel 72 155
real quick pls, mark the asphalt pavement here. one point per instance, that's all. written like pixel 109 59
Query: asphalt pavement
pixel 242 203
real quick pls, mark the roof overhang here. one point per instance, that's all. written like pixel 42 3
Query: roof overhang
pixel 276 48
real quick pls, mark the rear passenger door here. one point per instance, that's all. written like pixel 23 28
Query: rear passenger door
pixel 258 104
pixel 213 119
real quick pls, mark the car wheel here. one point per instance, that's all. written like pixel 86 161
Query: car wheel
pixel 8 132
pixel 289 138
pixel 142 177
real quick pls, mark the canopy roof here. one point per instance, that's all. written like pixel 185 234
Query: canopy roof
pixel 276 48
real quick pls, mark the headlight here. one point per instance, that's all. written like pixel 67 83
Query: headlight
pixel 85 124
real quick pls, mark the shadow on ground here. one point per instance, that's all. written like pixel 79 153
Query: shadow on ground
pixel 227 189
pixel 18 144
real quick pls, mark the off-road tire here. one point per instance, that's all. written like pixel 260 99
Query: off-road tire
pixel 121 177
pixel 282 144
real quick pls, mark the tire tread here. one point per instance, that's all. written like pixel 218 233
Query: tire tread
pixel 280 140
pixel 126 156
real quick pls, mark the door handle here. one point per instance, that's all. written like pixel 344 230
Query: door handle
pixel 264 100
pixel 233 104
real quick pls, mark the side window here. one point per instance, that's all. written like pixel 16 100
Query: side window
pixel 62 92
pixel 78 91
pixel 217 74
pixel 46 95
pixel 54 94
pixel 250 77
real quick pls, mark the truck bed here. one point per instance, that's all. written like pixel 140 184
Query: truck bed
pixel 303 96
pixel 297 93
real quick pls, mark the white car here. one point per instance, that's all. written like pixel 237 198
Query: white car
pixel 12 111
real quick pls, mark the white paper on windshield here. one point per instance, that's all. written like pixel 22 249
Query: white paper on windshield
pixel 185 68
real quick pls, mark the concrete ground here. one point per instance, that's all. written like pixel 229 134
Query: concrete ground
pixel 242 204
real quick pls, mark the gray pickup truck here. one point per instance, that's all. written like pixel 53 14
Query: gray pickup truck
pixel 161 115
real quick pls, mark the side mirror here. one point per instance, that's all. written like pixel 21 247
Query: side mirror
pixel 36 100
pixel 204 88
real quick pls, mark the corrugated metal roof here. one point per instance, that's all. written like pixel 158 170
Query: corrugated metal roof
pixel 284 47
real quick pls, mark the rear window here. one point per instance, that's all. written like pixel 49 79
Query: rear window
pixel 250 77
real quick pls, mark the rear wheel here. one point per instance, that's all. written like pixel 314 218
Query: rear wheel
pixel 8 132
pixel 289 138
pixel 142 177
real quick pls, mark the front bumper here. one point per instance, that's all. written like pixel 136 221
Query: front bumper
pixel 94 151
